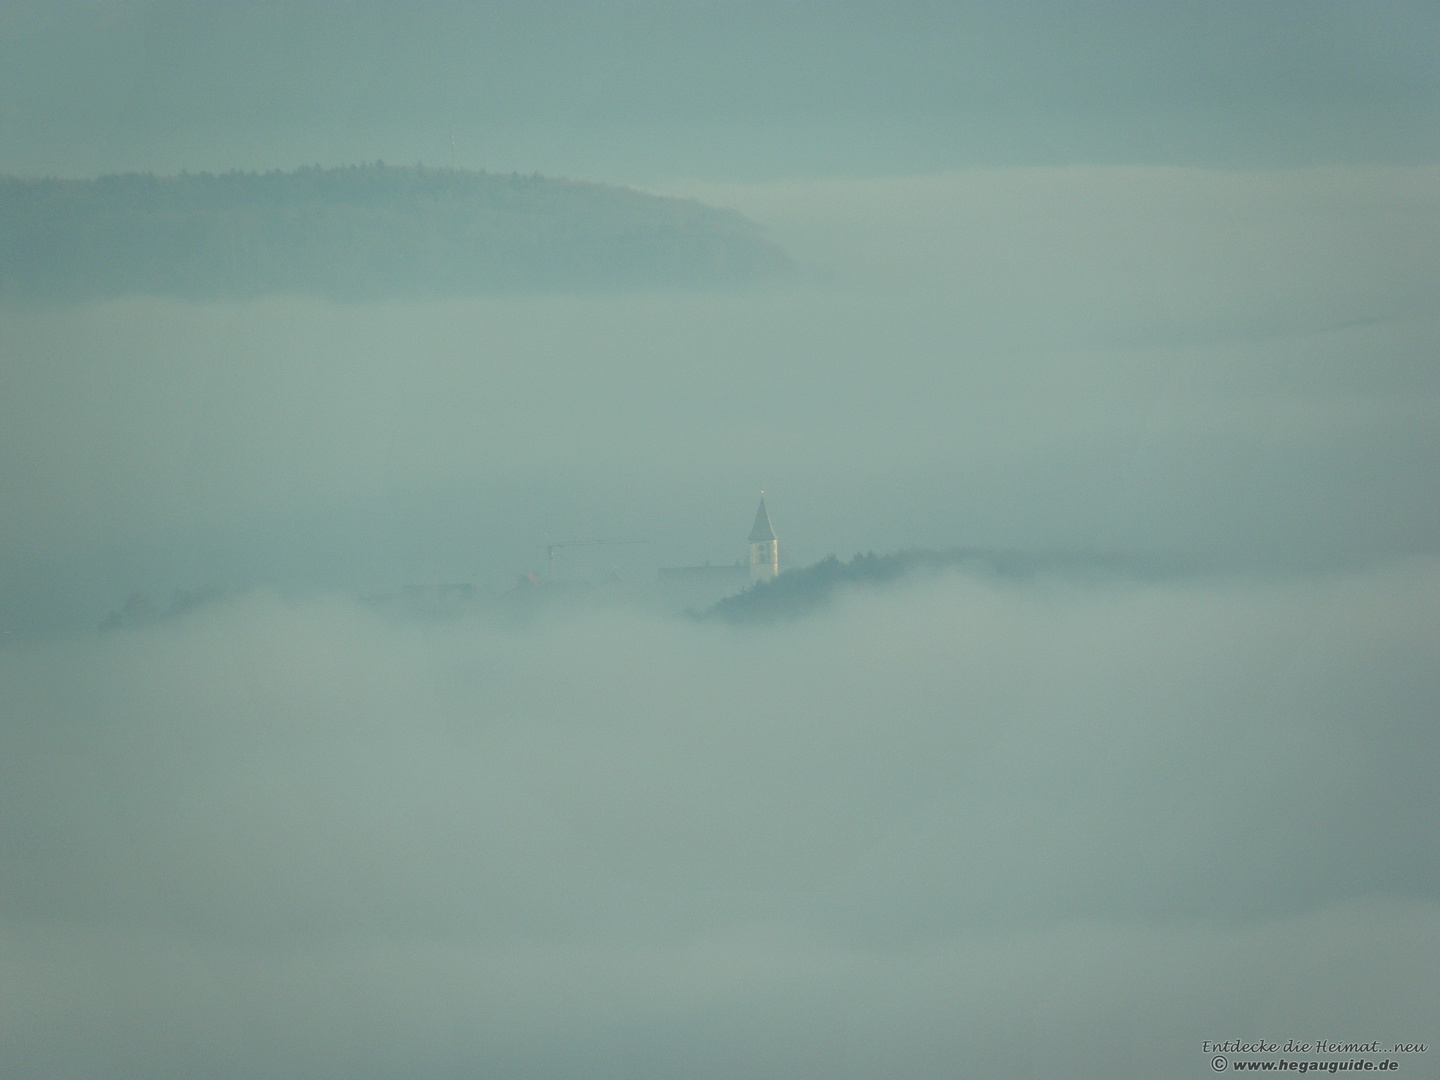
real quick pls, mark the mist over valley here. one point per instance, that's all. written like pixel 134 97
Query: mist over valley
pixel 401 674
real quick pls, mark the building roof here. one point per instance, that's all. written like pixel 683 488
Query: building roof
pixel 762 529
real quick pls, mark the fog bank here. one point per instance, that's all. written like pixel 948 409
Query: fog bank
pixel 954 827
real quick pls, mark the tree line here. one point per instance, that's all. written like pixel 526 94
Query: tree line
pixel 360 232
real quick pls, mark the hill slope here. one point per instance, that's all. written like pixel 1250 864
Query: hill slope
pixel 360 232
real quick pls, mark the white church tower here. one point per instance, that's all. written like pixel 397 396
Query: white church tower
pixel 764 548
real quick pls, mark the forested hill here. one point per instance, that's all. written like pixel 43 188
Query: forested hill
pixel 800 592
pixel 360 232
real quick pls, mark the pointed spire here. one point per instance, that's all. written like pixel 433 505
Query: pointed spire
pixel 762 529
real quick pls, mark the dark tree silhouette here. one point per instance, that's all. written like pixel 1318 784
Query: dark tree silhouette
pixel 360 232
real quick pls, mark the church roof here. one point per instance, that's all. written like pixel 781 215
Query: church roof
pixel 762 529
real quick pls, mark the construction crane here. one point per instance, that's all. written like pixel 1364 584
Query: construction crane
pixel 550 550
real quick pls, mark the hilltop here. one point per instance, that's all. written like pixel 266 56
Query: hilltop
pixel 360 232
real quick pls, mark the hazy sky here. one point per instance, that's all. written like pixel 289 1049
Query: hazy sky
pixel 1149 278
pixel 639 91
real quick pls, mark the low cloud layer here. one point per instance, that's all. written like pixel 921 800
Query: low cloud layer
pixel 953 828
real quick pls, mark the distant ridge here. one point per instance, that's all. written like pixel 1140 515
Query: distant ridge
pixel 796 593
pixel 361 232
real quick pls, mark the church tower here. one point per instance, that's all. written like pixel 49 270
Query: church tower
pixel 764 548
